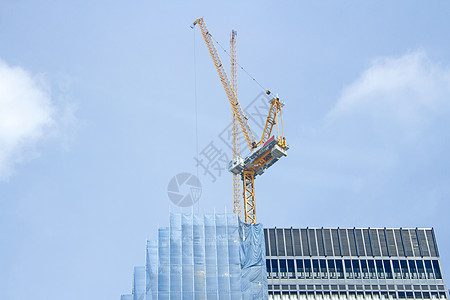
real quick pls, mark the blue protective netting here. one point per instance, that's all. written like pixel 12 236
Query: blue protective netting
pixel 211 256
pixel 253 262
pixel 139 283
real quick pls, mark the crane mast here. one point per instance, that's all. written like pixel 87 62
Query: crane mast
pixel 235 125
pixel 265 152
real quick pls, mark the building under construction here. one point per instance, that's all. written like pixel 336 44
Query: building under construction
pixel 211 256
pixel 217 256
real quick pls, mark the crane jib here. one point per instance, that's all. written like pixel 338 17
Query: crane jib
pixel 242 120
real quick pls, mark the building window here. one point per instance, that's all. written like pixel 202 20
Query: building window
pixel 348 269
pixel 420 269
pixel 339 269
pixel 274 264
pixel 323 269
pixel 437 270
pixel 372 271
pixel 429 269
pixel 316 268
pixel 300 269
pixel 387 268
pixel 308 270
pixel 413 269
pixel 397 272
pixel 331 269
pixel 356 269
pixel 404 268
pixel 380 271
pixel 364 269
pixel 283 269
pixel 290 267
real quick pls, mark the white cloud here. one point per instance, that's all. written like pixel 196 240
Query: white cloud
pixel 400 96
pixel 27 115
pixel 389 128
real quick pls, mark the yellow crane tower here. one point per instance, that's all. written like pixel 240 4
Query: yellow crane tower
pixel 265 152
pixel 235 126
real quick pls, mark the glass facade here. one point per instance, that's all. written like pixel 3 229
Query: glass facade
pixel 356 263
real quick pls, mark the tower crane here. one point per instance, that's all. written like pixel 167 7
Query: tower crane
pixel 264 152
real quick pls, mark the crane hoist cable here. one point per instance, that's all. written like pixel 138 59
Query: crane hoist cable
pixel 239 65
pixel 196 109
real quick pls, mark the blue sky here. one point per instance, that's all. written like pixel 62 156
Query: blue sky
pixel 97 114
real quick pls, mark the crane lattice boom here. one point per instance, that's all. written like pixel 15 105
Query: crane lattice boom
pixel 242 120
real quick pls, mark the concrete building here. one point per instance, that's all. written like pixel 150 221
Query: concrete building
pixel 355 263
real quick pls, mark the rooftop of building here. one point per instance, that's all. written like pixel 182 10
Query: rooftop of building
pixel 388 242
